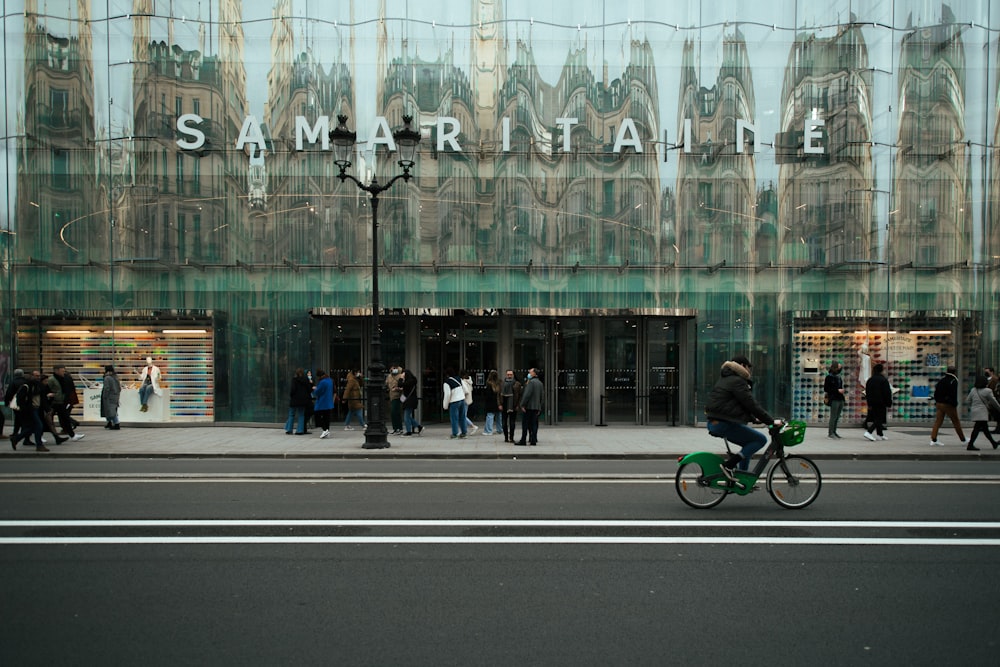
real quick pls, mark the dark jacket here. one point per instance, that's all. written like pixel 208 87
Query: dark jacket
pixel 531 397
pixel 731 400
pixel 300 395
pixel 409 390
pixel 510 394
pixel 946 390
pixel 832 386
pixel 878 392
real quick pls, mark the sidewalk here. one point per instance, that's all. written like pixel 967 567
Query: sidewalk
pixel 555 442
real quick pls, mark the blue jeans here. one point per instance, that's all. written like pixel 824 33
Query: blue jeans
pixel 410 420
pixel 359 413
pixel 750 439
pixel 144 392
pixel 456 413
pixel 296 415
pixel 491 419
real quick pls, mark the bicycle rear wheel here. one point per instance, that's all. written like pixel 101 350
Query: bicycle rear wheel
pixel 695 488
pixel 794 482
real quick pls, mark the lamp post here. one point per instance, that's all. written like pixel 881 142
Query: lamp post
pixel 406 141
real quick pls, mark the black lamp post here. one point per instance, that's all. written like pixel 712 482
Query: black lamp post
pixel 406 141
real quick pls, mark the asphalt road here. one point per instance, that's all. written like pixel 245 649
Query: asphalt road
pixel 275 563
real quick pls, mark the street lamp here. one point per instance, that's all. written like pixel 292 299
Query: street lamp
pixel 406 141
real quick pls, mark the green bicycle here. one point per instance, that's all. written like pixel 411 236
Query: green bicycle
pixel 793 481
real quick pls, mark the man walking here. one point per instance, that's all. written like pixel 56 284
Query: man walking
pixel 946 401
pixel 531 406
pixel 57 399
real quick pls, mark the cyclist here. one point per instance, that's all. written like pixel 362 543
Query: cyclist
pixel 730 406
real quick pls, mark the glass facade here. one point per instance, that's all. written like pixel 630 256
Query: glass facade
pixel 623 194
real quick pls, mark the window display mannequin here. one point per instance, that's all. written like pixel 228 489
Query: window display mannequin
pixel 149 383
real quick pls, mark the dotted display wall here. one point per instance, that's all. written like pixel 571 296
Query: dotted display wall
pixel 914 362
pixel 183 353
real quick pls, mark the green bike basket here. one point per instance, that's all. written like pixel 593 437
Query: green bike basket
pixel 793 433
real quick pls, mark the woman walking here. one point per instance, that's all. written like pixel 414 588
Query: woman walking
pixel 111 391
pixel 981 403
pixel 352 396
pixel 879 395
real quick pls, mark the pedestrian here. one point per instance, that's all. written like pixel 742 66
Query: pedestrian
pixel 993 383
pixel 878 393
pixel 57 399
pixel 72 396
pixel 46 410
pixel 510 401
pixel 16 399
pixel 28 393
pixel 111 391
pixel 394 384
pixel 531 408
pixel 946 402
pixel 981 403
pixel 468 387
pixel 408 399
pixel 494 409
pixel 833 386
pixel 323 394
pixel 352 396
pixel 453 400
pixel 299 396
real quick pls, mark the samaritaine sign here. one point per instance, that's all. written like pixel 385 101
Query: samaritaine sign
pixel 449 128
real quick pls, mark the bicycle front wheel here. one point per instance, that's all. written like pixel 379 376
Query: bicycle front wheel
pixel 794 482
pixel 696 489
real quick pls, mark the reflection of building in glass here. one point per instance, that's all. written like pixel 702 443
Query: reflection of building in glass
pixel 58 211
pixel 930 227
pixel 992 249
pixel 567 199
pixel 825 204
pixel 181 204
pixel 716 184
pixel 295 222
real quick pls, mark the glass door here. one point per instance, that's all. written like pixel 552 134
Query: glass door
pixel 572 370
pixel 664 373
pixel 620 370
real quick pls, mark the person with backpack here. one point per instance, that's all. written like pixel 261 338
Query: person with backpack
pixel 453 401
pixel 25 393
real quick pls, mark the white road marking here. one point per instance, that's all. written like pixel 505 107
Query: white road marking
pixel 952 540
pixel 429 539
pixel 480 523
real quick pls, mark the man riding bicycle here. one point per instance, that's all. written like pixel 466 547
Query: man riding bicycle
pixel 730 406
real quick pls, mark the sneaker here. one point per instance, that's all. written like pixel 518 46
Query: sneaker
pixel 454 437
pixel 408 433
pixel 348 428
pixel 462 436
pixel 883 437
pixel 474 428
pixel 44 441
pixel 78 437
pixel 420 429
pixel 869 436
pixel 935 443
pixel 324 434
